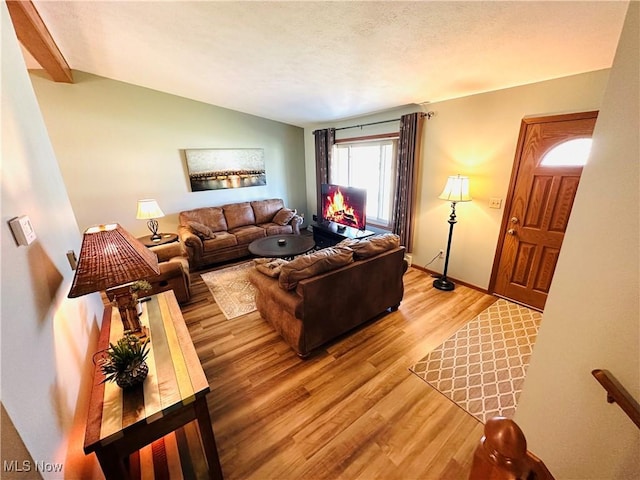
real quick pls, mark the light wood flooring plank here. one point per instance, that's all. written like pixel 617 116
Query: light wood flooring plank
pixel 353 410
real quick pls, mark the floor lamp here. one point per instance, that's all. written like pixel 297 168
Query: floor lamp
pixel 456 190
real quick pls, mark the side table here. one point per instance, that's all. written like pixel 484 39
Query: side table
pixel 164 239
pixel 120 422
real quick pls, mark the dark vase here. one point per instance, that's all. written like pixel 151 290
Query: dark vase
pixel 133 376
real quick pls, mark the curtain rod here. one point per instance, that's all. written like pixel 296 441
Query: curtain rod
pixel 427 114
pixel 367 124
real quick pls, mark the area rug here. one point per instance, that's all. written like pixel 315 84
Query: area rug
pixel 482 367
pixel 232 290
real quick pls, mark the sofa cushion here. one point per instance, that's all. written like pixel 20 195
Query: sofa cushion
pixel 238 215
pixel 312 264
pixel 283 216
pixel 248 234
pixel 200 230
pixel 212 217
pixel 270 266
pixel 370 246
pixel 221 240
pixel 264 210
pixel 275 229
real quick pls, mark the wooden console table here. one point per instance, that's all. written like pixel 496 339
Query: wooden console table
pixel 173 394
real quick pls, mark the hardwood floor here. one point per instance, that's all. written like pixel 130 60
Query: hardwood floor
pixel 350 411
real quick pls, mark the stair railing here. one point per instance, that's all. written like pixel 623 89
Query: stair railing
pixel 616 393
pixel 502 454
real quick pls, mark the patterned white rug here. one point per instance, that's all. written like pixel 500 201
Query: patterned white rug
pixel 231 289
pixel 482 367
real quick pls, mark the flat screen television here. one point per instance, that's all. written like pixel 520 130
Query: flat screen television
pixel 344 205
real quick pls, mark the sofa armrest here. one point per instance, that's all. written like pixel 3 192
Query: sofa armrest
pixel 189 239
pixel 168 251
pixel 295 223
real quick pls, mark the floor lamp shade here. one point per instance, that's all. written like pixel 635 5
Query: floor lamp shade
pixel 148 209
pixel 456 190
pixel 110 256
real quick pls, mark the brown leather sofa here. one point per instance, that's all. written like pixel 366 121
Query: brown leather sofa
pixel 324 306
pixel 229 229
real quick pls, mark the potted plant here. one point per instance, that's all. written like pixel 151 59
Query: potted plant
pixel 125 361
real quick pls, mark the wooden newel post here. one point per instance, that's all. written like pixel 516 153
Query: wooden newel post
pixel 502 452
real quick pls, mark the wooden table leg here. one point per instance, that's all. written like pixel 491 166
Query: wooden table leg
pixel 208 439
pixel 112 465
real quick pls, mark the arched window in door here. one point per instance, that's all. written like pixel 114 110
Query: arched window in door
pixel 572 153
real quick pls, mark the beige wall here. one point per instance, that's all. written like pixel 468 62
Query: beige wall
pixel 474 136
pixel 592 317
pixel 117 143
pixel 44 371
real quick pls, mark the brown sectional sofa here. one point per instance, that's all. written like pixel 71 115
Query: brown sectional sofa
pixel 229 229
pixel 348 291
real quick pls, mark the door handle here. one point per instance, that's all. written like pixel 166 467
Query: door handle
pixel 511 231
pixel 514 220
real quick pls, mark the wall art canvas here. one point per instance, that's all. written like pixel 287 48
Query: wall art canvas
pixel 217 168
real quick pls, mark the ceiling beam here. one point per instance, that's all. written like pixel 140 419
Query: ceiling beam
pixel 34 36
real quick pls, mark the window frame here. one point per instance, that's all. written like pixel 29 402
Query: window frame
pixel 373 139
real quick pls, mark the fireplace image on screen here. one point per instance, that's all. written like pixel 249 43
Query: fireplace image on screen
pixel 344 205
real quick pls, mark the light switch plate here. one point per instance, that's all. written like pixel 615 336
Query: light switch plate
pixel 22 230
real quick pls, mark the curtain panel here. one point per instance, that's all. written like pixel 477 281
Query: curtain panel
pixel 406 178
pixel 324 140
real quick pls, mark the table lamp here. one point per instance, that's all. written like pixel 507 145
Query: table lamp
pixel 456 190
pixel 110 256
pixel 148 209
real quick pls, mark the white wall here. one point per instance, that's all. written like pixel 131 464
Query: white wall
pixel 474 136
pixel 592 316
pixel 117 143
pixel 45 336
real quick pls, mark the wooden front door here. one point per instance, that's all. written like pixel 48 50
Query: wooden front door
pixel 537 209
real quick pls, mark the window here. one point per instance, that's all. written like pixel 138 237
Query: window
pixel 370 165
pixel 572 153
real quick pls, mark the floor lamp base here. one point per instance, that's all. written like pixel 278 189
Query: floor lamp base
pixel 443 283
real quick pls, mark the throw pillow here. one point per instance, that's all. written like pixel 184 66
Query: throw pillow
pixel 284 216
pixel 200 230
pixel 271 267
pixel 312 264
pixel 371 246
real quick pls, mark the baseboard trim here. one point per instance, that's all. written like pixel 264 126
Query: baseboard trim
pixel 454 280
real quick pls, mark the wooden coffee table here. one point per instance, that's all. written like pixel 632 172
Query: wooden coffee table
pixel 274 247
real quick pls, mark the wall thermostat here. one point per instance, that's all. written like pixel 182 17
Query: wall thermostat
pixel 22 230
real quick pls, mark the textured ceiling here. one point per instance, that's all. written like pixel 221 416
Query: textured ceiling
pixel 309 62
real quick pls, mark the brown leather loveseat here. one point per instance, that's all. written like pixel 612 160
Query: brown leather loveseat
pixel 217 234
pixel 319 296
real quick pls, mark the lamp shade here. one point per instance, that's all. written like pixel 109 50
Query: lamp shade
pixel 148 208
pixel 111 256
pixel 456 189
